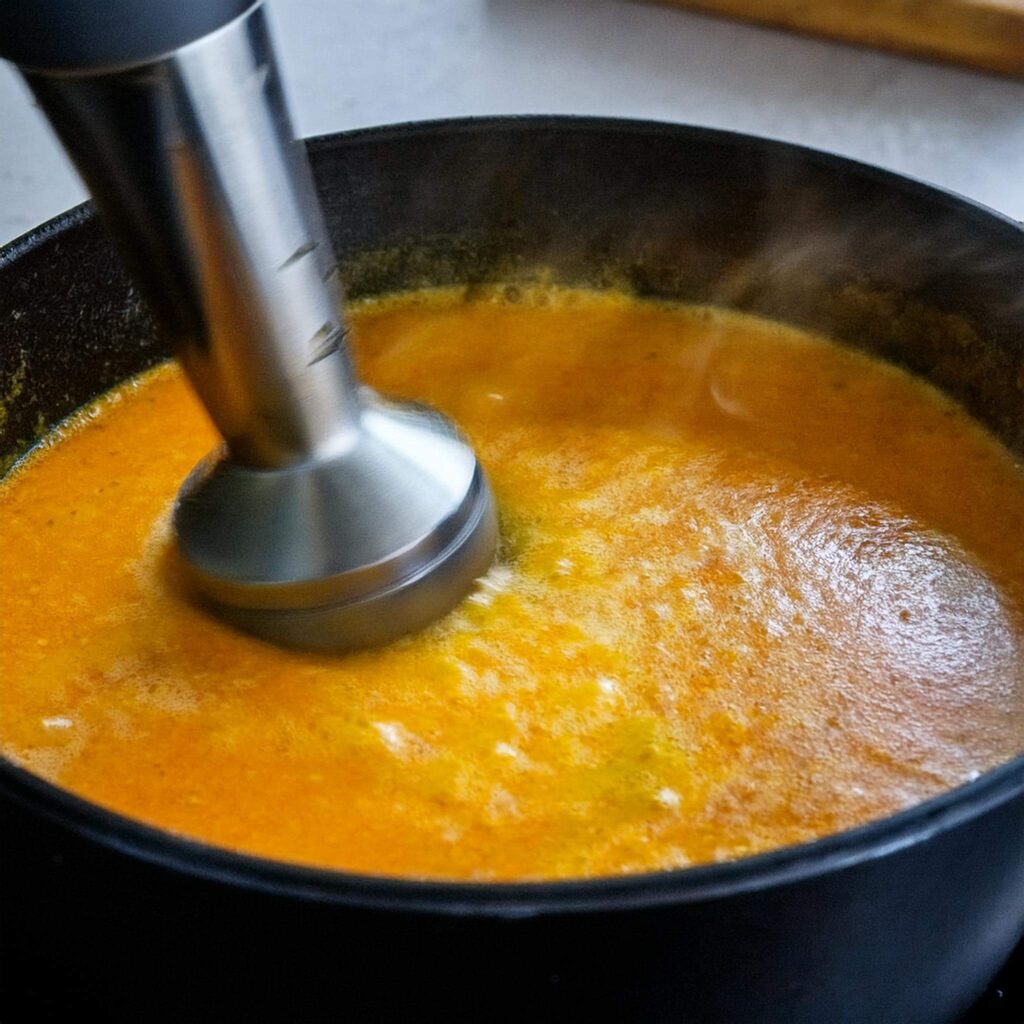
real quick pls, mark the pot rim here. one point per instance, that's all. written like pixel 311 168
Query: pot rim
pixel 787 865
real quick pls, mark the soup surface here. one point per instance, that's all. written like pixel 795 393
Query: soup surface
pixel 755 588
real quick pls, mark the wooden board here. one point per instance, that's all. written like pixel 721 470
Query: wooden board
pixel 985 33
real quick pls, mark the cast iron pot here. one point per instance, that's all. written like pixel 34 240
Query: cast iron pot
pixel 902 921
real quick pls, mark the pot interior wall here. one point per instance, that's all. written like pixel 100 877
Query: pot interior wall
pixel 919 277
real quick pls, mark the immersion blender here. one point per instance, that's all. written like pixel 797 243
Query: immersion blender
pixel 332 518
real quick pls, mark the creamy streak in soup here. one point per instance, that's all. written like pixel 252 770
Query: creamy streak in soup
pixel 755 588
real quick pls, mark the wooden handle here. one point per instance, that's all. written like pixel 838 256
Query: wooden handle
pixel 986 33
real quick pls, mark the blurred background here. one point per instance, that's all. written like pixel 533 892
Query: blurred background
pixel 351 63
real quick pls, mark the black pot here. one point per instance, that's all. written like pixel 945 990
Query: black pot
pixel 900 921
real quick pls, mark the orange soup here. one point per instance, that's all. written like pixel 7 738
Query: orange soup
pixel 754 588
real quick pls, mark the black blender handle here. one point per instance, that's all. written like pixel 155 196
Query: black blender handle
pixel 68 36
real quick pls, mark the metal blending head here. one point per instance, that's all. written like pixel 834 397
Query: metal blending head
pixel 332 518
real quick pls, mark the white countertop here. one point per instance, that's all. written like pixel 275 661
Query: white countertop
pixel 351 63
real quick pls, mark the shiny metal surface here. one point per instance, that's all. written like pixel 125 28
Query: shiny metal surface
pixel 192 162
pixel 332 519
pixel 347 551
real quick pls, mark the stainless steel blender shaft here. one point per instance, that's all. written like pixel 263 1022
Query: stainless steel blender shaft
pixel 192 161
pixel 333 519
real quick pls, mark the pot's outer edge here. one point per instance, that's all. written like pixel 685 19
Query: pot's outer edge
pixel 52 227
pixel 871 841
pixel 628 125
